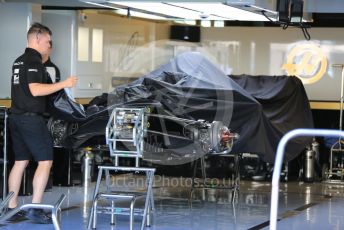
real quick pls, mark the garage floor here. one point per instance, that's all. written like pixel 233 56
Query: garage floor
pixel 301 206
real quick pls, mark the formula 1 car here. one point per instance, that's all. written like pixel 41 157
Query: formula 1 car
pixel 194 108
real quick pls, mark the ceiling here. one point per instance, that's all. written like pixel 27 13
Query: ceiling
pixel 311 6
pixel 333 9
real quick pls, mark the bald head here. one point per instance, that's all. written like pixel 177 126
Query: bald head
pixel 39 38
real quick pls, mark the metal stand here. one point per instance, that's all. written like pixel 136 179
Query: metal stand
pixel 55 209
pixel 234 184
pixel 124 135
pixel 335 173
pixel 279 160
pixel 337 166
pixel 112 193
pixel 341 98
pixel 126 126
pixel 4 116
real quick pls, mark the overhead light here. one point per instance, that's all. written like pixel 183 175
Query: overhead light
pixel 270 15
pixel 219 23
pixel 168 9
pixel 192 10
pixel 206 23
pixel 139 14
pixel 186 22
pixel 223 11
pixel 101 4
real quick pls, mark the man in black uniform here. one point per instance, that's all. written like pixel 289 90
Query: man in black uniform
pixel 30 136
pixel 51 68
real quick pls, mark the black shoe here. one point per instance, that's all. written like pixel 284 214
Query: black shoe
pixel 38 216
pixel 19 216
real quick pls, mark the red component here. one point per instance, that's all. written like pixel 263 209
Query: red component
pixel 226 136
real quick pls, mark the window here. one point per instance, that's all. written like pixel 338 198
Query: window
pixel 83 43
pixel 97 45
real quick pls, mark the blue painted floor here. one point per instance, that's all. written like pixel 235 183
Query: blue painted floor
pixel 301 206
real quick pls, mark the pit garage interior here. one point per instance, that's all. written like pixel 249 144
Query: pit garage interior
pixel 187 114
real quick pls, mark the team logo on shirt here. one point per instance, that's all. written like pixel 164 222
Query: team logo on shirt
pixel 18 63
pixel 16 76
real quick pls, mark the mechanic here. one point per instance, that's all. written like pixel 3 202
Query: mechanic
pixel 30 136
pixel 52 69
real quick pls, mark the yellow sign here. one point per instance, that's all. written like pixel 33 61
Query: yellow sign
pixel 306 61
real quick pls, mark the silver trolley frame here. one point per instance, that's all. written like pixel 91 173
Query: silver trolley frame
pixel 113 193
pixel 114 131
pixel 336 166
pixel 126 126
pixel 336 148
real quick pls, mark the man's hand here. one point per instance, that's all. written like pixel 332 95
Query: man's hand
pixel 70 82
pixel 38 89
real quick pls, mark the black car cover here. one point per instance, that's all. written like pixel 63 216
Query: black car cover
pixel 261 109
pixel 285 104
pixel 62 106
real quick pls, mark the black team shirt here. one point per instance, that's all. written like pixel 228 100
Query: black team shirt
pixel 26 69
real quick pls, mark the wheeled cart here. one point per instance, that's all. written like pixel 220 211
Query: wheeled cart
pixel 335 173
pixel 336 169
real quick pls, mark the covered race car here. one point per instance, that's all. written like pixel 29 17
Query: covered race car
pixel 184 97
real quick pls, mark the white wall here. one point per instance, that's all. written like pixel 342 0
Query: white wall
pixel 236 50
pixel 14 21
pixel 133 47
pixel 63 26
pixel 264 50
pixel 122 38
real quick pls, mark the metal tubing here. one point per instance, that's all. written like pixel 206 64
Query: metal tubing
pixel 125 196
pixel 149 201
pixel 279 160
pixel 107 180
pixel 112 134
pixel 95 193
pixel 151 198
pixel 149 174
pixel 9 214
pixel 5 200
pixel 55 210
pixel 149 215
pixel 124 153
pixel 341 103
pixel 131 219
pixel 4 188
pixel 172 118
pixel 167 134
pixel 94 206
pixel 108 125
pixel 116 160
pixel 128 169
pixel 331 156
pixel 113 218
pixel 341 98
pixel 56 223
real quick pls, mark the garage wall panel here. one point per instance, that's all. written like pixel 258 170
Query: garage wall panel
pixel 12 39
pixel 274 51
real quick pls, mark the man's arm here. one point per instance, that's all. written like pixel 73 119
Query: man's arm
pixel 39 89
